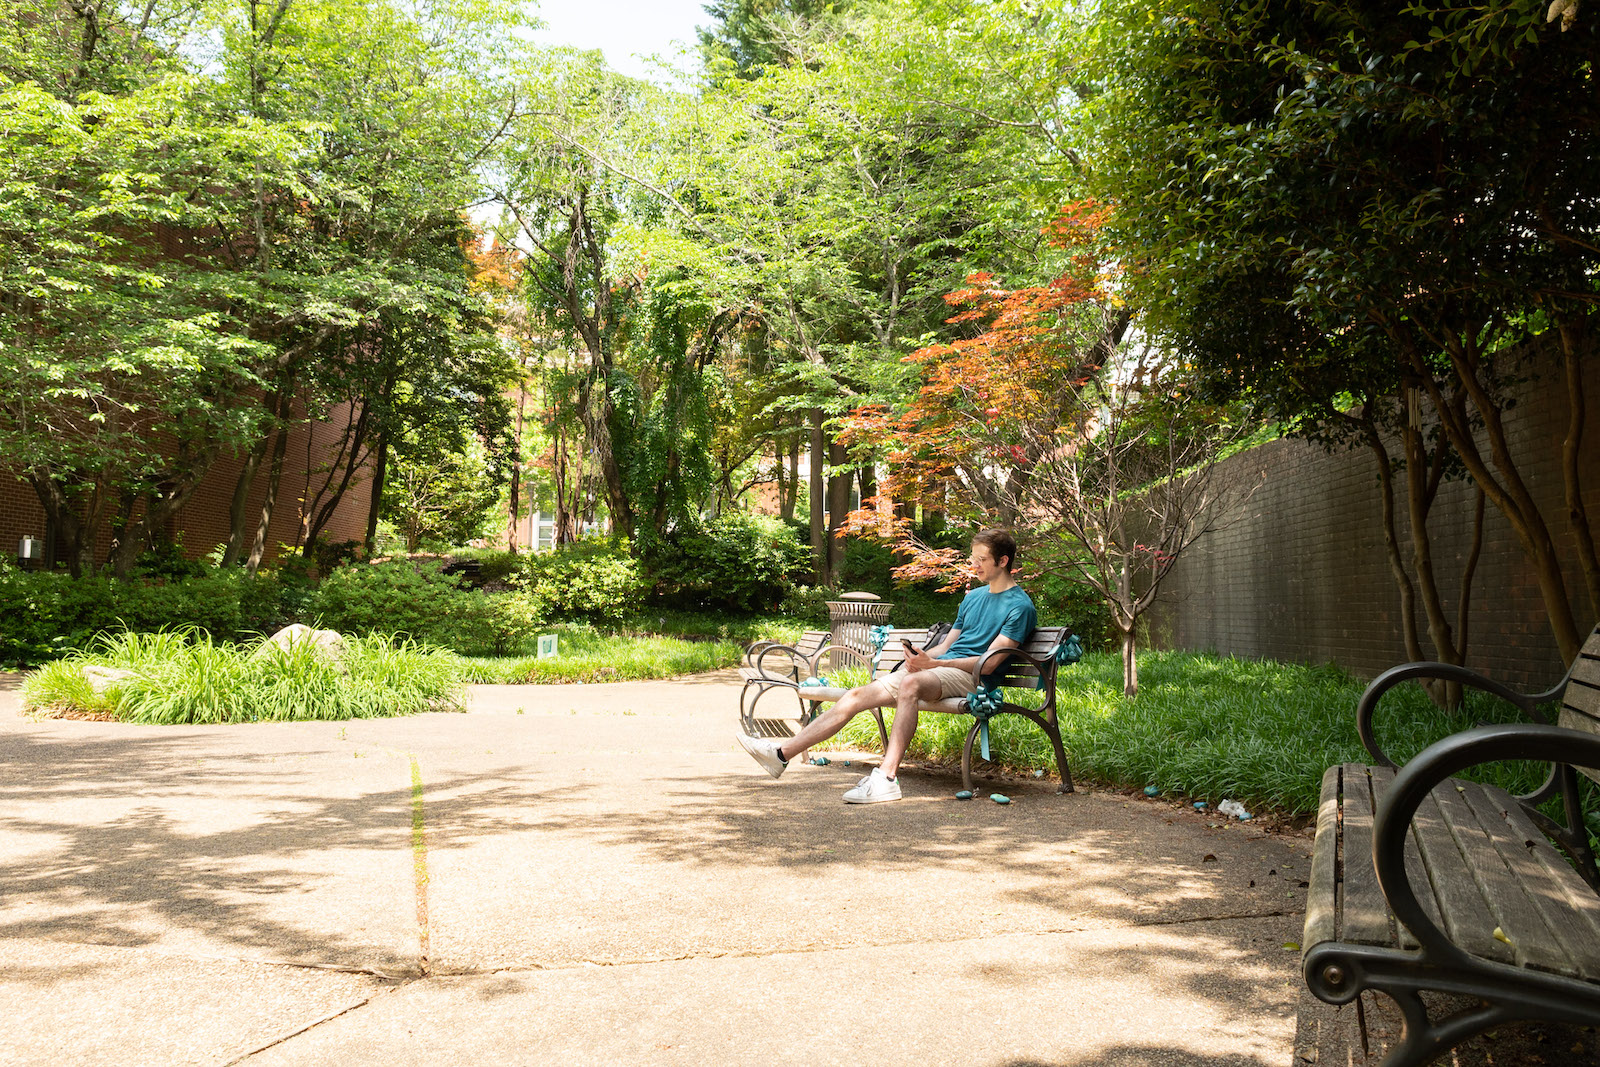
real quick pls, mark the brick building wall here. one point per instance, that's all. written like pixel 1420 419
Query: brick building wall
pixel 203 521
pixel 1300 573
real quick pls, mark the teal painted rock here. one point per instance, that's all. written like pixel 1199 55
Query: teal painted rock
pixel 820 761
pixel 1151 791
pixel 999 798
pixel 965 794
pixel 1199 805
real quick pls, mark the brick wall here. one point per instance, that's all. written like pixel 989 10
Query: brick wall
pixel 203 522
pixel 1301 573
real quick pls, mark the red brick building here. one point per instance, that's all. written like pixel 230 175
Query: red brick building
pixel 202 523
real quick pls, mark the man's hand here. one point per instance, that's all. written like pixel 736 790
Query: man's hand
pixel 920 661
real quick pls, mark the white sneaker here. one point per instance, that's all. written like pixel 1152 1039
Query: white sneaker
pixel 875 788
pixel 765 752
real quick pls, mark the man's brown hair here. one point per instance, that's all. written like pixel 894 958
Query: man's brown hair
pixel 1000 543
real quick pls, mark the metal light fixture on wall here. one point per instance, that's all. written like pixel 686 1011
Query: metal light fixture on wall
pixel 30 553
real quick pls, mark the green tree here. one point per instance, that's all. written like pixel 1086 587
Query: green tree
pixel 1336 199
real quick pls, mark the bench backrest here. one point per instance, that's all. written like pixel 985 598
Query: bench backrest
pixel 1019 673
pixel 811 642
pixel 1580 702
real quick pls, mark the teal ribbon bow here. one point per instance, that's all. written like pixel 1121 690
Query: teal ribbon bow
pixel 983 705
pixel 880 637
pixel 1070 650
pixel 818 681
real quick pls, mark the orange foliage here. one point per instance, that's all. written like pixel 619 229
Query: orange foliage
pixel 989 405
pixel 494 265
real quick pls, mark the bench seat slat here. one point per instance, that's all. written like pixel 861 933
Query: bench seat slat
pixel 1436 893
pixel 1322 896
pixel 1495 893
pixel 1365 915
pixel 1569 907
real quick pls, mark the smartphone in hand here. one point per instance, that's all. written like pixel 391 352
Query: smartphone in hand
pixel 911 650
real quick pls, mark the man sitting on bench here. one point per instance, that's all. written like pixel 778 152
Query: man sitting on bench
pixel 996 615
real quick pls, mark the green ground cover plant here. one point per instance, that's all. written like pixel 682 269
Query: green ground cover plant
pixel 186 677
pixel 1210 728
pixel 587 654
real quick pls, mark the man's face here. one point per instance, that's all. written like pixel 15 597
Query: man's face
pixel 984 567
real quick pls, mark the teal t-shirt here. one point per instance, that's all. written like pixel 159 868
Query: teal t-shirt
pixel 983 616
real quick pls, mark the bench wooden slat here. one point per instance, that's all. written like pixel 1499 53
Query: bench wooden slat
pixel 1566 903
pixel 1489 893
pixel 1322 896
pixel 1365 915
pixel 1417 874
pixel 1017 673
pixel 1583 696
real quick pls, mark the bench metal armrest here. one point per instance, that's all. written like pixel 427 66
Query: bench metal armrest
pixel 756 657
pixel 1434 764
pixel 792 675
pixel 1046 665
pixel 1367 707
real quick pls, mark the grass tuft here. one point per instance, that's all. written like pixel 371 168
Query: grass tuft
pixel 184 677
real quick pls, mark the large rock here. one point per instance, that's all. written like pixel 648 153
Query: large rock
pixel 102 678
pixel 327 642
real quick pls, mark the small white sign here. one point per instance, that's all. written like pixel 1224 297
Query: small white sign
pixel 547 646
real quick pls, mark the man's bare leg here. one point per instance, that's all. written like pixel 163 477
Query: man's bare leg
pixel 914 690
pixel 833 720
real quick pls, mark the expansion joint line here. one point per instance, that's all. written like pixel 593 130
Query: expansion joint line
pixel 419 866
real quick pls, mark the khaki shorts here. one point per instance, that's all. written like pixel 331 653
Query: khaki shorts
pixel 953 681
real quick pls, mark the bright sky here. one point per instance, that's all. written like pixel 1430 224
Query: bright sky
pixel 626 30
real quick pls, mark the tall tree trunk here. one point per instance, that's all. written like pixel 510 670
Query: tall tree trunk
pixel 1500 478
pixel 380 475
pixel 819 533
pixel 352 462
pixel 838 505
pixel 1126 621
pixel 127 535
pixel 1571 452
pixel 787 505
pixel 239 508
pixel 515 508
pixel 74 523
pixel 258 548
pixel 1391 544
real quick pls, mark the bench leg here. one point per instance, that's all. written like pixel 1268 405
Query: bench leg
pixel 1338 973
pixel 1053 732
pixel 1050 731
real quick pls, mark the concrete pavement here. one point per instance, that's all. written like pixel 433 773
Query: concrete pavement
pixel 576 874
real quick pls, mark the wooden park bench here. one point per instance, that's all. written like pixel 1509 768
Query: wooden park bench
pixel 1425 883
pixel 769 666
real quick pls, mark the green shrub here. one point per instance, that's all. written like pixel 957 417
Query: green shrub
pixel 494 565
pixel 736 562
pixel 414 599
pixel 808 605
pixel 592 579
pixel 514 618
pixel 43 614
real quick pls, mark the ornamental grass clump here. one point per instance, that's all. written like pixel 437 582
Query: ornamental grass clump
pixel 184 677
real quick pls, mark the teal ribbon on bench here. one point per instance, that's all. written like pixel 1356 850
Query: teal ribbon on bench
pixel 1070 650
pixel 880 637
pixel 983 705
